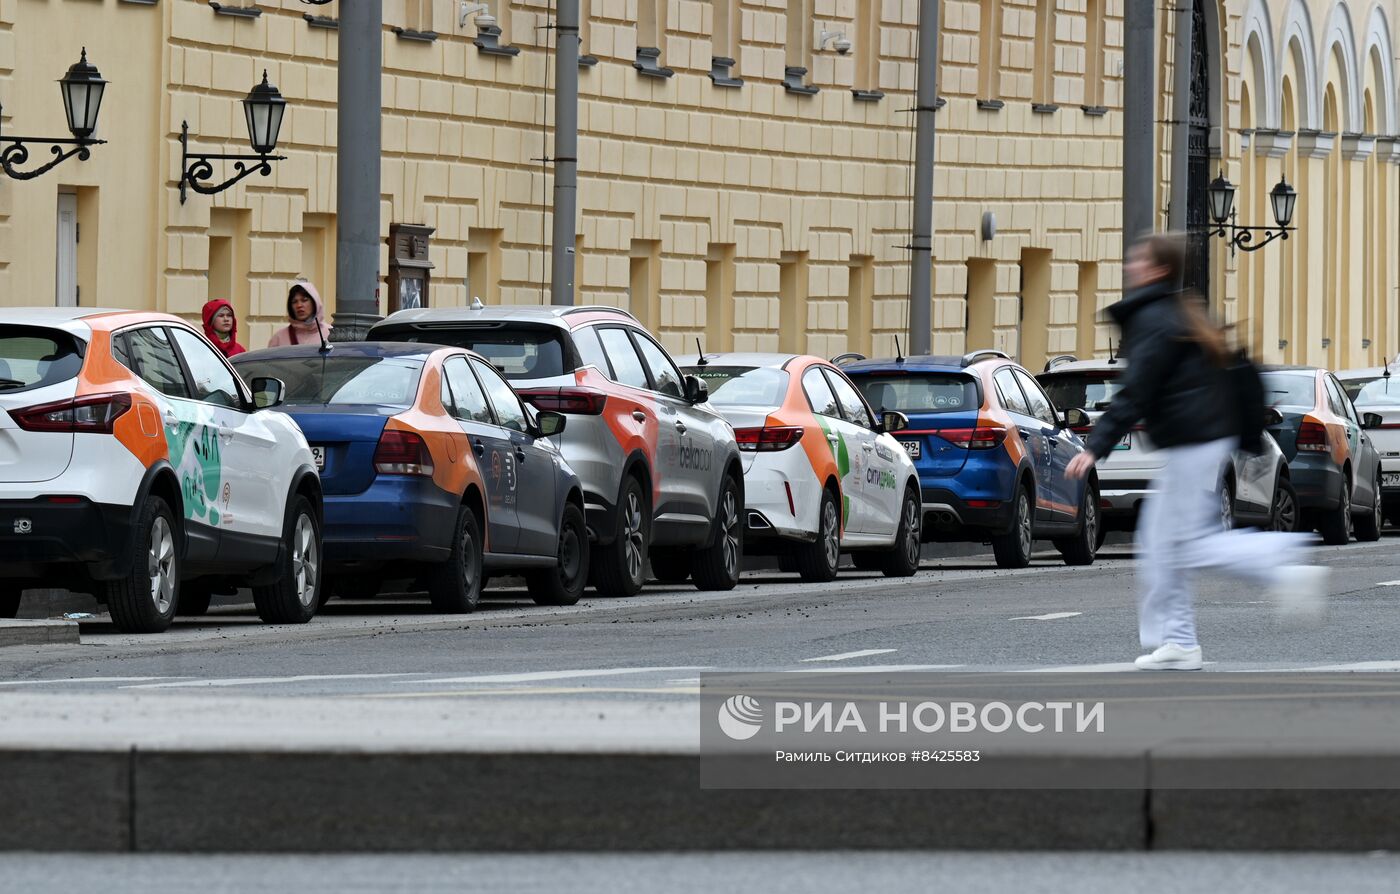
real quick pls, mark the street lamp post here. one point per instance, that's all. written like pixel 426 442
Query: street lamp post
pixel 82 89
pixel 1221 194
pixel 263 108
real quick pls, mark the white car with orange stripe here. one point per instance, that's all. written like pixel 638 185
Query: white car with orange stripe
pixel 137 466
pixel 821 474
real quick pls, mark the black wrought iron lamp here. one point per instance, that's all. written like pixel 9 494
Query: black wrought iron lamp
pixel 263 108
pixel 82 89
pixel 1221 193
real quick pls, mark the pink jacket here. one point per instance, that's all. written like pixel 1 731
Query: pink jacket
pixel 302 333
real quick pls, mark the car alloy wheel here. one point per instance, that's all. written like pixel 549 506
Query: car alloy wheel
pixel 1023 523
pixel 831 535
pixel 1091 520
pixel 570 554
pixel 1227 507
pixel 632 535
pixel 912 534
pixel 1285 510
pixel 729 511
pixel 160 565
pixel 305 560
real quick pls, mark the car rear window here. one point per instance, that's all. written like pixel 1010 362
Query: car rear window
pixel 1290 389
pixel 1373 391
pixel 919 393
pixel 35 357
pixel 519 352
pixel 340 380
pixel 747 386
pixel 1087 391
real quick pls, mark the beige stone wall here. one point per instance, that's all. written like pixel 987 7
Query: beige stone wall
pixel 748 218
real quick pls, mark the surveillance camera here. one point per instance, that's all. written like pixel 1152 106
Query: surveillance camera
pixel 843 46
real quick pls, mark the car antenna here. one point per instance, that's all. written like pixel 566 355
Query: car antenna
pixel 700 349
pixel 1111 358
pixel 898 351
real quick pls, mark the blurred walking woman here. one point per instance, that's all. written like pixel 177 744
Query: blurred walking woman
pixel 1176 382
pixel 305 313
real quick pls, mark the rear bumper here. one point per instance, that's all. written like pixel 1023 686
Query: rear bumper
pixel 38 538
pixel 1317 480
pixel 397 518
pixel 946 514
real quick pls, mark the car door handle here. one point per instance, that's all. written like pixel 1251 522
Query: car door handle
pixel 680 426
pixel 519 454
pixel 171 419
pixel 639 416
pixel 867 446
pixel 479 447
pixel 226 435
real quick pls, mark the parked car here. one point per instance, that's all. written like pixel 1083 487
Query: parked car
pixel 849 488
pixel 135 465
pixel 660 467
pixel 433 469
pixel 1256 490
pixel 991 451
pixel 1332 461
pixel 1373 391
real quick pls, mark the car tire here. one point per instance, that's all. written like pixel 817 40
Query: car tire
pixel 1368 525
pixel 1285 515
pixel 194 599
pixel 563 584
pixel 145 599
pixel 818 561
pixel 295 592
pixel 9 601
pixel 455 586
pixel 1227 504
pixel 1084 545
pixel 1335 524
pixel 716 567
pixel 670 566
pixel 1013 549
pixel 619 568
pixel 903 560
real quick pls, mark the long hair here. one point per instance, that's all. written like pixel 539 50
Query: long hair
pixel 1169 250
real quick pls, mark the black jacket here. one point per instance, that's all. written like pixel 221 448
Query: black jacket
pixel 1170 383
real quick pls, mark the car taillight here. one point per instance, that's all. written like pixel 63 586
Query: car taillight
pixel 1312 435
pixel 579 401
pixel 92 413
pixel 402 453
pixel 983 437
pixel 768 437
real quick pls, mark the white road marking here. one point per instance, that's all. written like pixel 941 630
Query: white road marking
pixel 1355 666
pixel 1389 583
pixel 1053 616
pixel 81 680
pixel 876 668
pixel 559 675
pixel 1115 667
pixel 844 656
pixel 258 681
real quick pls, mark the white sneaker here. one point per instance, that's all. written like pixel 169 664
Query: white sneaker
pixel 1300 594
pixel 1171 657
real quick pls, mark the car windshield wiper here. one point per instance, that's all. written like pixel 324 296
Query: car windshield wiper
pixel 11 383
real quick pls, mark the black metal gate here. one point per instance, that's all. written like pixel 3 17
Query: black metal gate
pixel 1198 159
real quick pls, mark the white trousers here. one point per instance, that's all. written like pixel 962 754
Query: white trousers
pixel 1180 533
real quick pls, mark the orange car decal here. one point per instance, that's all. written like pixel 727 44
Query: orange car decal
pixel 139 429
pixel 796 410
pixel 632 434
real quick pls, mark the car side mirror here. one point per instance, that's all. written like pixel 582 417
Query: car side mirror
pixel 549 423
pixel 267 392
pixel 696 391
pixel 893 421
pixel 1272 417
pixel 1075 418
pixel 1371 420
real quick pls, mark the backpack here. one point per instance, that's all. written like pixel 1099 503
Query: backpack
pixel 1247 400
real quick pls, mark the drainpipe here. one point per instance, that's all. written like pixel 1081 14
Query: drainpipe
pixel 921 245
pixel 561 286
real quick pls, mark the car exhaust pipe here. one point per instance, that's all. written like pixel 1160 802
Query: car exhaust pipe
pixel 757 522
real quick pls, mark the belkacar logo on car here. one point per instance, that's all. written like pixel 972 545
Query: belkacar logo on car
pixel 688 456
pixel 879 478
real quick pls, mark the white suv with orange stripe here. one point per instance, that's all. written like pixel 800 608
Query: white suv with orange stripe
pixel 137 466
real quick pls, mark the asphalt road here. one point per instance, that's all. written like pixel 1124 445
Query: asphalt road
pixel 778 873
pixel 960 613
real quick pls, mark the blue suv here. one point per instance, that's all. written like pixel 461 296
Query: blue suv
pixel 991 451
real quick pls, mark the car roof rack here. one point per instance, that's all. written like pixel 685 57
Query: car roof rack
pixel 1059 360
pixel 597 308
pixel 977 356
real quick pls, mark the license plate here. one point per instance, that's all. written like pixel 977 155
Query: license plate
pixel 1390 479
pixel 1124 443
pixel 914 448
pixel 319 454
